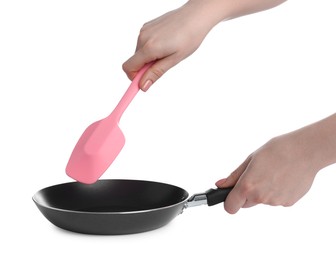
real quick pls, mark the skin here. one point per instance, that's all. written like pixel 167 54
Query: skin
pixel 281 171
pixel 174 36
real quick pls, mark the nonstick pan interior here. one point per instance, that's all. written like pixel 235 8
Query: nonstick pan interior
pixel 111 207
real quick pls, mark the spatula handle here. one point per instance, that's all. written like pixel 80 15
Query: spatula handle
pixel 130 93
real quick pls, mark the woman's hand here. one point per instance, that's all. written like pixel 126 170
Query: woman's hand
pixel 282 170
pixel 174 36
pixel 167 40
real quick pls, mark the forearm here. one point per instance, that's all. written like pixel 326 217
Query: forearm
pixel 216 11
pixel 319 142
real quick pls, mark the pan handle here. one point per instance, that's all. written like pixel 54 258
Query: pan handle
pixel 210 197
pixel 215 196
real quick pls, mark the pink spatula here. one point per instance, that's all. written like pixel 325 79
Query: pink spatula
pixel 102 141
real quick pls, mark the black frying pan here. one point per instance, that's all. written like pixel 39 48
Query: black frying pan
pixel 114 207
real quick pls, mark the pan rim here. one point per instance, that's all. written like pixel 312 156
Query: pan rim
pixel 34 198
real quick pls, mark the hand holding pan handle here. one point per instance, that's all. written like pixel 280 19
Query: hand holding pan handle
pixel 210 197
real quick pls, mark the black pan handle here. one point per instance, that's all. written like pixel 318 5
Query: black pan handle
pixel 215 196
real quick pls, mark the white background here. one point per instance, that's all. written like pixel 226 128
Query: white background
pixel 253 78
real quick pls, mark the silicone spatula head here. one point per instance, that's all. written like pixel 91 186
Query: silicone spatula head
pixel 102 141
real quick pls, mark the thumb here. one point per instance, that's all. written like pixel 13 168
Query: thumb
pixel 232 179
pixel 156 71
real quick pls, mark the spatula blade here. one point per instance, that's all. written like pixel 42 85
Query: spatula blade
pixel 94 152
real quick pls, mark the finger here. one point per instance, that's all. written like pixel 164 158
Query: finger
pixel 134 64
pixel 232 179
pixel 156 71
pixel 234 201
pixel 249 204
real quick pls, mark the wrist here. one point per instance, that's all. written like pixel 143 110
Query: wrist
pixel 319 142
pixel 210 12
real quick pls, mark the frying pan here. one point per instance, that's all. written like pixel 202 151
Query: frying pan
pixel 116 207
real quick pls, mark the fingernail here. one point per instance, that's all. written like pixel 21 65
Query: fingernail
pixel 147 85
pixel 220 182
